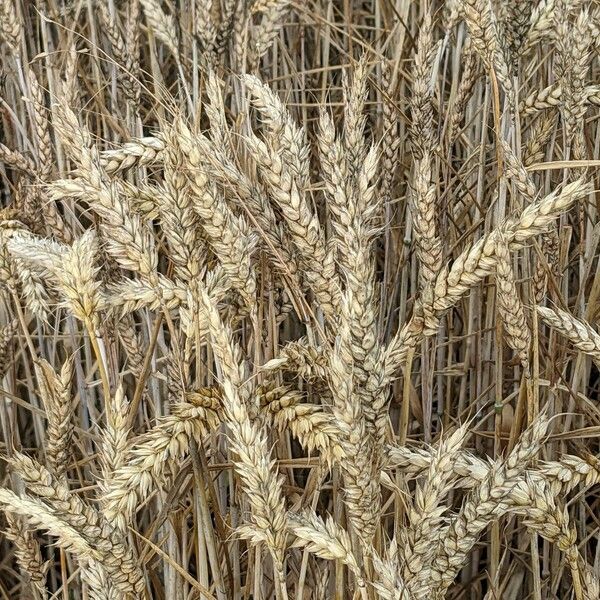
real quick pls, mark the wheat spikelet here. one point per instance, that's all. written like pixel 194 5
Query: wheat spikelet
pixel 424 220
pixel 178 218
pixel 57 398
pixel 135 153
pixel 38 516
pixel 591 584
pixel 228 234
pixel 114 439
pixel 571 471
pixel 424 193
pixel 389 584
pixel 72 268
pixel 144 199
pixel 308 362
pixel 128 242
pixel 360 471
pixel 40 119
pixel 132 41
pixel 313 428
pixel 16 160
pixel 226 26
pixel 206 28
pixel 469 77
pixel 218 163
pixel 206 397
pixel 111 28
pixel 535 147
pixel 263 35
pixel 41 127
pixel 544 515
pixel 27 207
pixel 285 175
pixel 563 475
pixel 548 97
pixel 355 93
pixel 110 552
pixel 356 212
pixel 421 131
pixel 550 249
pixel 592 94
pixel 417 541
pixel 575 54
pixel 33 290
pixel 132 344
pixel 335 173
pixel 215 111
pixel 77 279
pixel 241 26
pixel 516 25
pixel 541 21
pixel 7 335
pixel 515 171
pixel 391 140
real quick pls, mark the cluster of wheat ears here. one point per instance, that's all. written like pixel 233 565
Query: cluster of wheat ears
pixel 298 299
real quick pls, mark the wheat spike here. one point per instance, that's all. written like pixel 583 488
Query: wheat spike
pixel 510 306
pixel 578 332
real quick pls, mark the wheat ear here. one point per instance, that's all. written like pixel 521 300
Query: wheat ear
pixel 478 261
pixel 479 509
pixel 254 465
pixel 578 332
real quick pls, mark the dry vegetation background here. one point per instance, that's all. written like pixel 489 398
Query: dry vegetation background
pixel 299 299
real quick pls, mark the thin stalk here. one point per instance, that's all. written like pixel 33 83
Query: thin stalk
pixel 100 360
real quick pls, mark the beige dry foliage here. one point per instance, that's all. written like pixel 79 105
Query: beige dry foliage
pixel 259 263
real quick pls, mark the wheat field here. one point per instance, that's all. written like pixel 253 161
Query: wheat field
pixel 299 299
